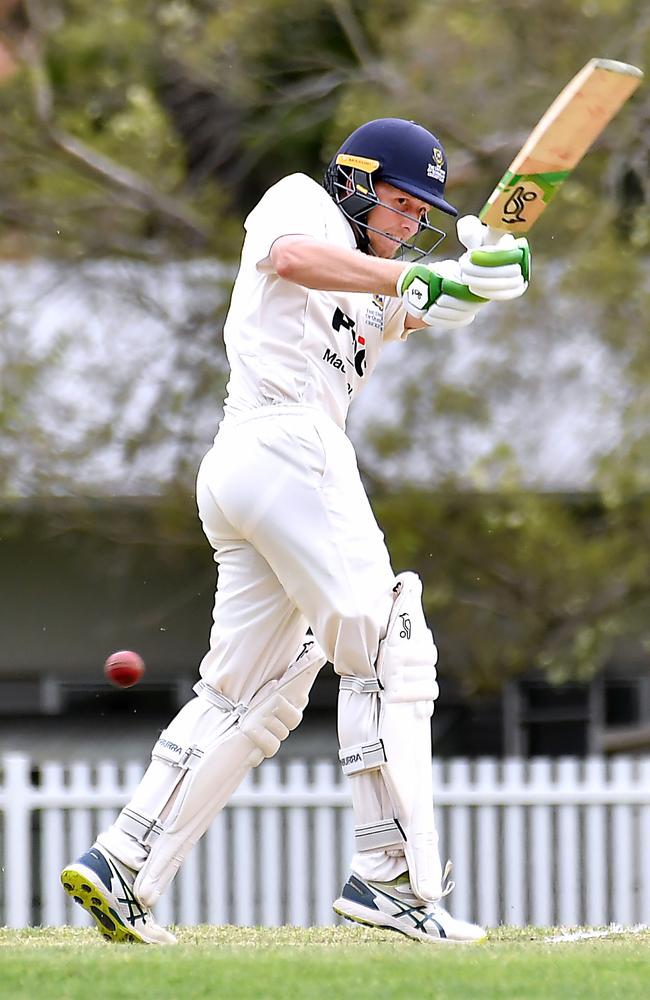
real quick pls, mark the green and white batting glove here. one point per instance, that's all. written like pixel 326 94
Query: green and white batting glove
pixel 435 294
pixel 496 266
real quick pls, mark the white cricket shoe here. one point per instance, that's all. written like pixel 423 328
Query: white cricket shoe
pixel 394 906
pixel 104 887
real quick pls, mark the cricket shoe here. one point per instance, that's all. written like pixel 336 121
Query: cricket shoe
pixel 394 906
pixel 104 887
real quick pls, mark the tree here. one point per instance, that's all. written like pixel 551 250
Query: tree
pixel 145 132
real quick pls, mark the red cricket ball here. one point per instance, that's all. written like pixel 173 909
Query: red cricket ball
pixel 124 669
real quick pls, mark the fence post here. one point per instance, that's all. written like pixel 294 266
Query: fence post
pixel 512 849
pixel 271 844
pixel 595 846
pixel 644 840
pixel 459 846
pixel 568 848
pixel 17 861
pixel 624 867
pixel 486 777
pixel 53 848
pixel 298 848
pixel 326 887
pixel 542 860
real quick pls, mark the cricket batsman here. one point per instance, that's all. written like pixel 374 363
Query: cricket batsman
pixel 304 574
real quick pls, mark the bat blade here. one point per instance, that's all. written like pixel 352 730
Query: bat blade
pixel 558 142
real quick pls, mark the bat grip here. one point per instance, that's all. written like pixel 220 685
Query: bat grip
pixel 473 234
pixel 493 235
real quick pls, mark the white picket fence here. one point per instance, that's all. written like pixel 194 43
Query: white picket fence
pixel 563 841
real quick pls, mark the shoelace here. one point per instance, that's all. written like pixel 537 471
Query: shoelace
pixel 402 888
pixel 448 884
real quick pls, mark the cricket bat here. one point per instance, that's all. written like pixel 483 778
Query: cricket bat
pixel 558 142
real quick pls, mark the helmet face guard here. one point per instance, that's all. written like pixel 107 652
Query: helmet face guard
pixel 399 153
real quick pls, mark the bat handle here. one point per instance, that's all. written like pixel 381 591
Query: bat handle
pixel 473 234
pixel 493 235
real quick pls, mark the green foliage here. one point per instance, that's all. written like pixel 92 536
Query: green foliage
pixel 523 581
pixel 232 95
pixel 147 130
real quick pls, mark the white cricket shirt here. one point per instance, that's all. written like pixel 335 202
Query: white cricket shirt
pixel 290 344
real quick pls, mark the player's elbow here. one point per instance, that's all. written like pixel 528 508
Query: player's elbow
pixel 288 259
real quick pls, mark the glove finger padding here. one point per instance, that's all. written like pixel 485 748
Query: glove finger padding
pixel 501 271
pixel 450 312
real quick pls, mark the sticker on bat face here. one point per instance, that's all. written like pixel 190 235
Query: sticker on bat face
pixel 515 206
pixel 519 199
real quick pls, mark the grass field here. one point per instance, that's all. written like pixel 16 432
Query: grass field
pixel 324 964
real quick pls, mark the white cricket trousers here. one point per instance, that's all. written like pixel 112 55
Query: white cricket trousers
pixel 282 504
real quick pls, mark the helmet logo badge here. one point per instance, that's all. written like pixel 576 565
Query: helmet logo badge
pixel 436 169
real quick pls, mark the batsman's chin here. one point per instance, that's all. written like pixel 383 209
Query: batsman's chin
pixel 387 247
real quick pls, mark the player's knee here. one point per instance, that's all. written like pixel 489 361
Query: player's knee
pixel 406 665
pixel 391 638
pixel 277 708
pixel 357 638
pixel 268 726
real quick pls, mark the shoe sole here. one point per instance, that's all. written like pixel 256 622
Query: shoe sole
pixel 361 915
pixel 82 886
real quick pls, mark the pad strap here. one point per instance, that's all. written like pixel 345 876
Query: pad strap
pixel 218 699
pixel 168 750
pixel 142 828
pixel 360 686
pixel 381 836
pixel 224 742
pixel 363 757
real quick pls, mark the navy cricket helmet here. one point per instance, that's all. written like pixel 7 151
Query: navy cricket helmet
pixel 399 152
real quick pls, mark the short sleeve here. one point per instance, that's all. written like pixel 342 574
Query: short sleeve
pixel 292 207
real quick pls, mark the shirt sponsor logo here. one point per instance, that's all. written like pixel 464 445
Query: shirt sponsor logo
pixel 334 360
pixel 341 321
pixel 375 312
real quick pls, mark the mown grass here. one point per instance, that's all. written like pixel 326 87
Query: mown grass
pixel 333 963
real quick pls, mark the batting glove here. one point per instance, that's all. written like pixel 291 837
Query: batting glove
pixel 495 267
pixel 436 294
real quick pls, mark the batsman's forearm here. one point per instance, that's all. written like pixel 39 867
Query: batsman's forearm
pixel 328 268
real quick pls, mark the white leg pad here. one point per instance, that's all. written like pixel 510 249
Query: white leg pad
pixel 391 765
pixel 199 761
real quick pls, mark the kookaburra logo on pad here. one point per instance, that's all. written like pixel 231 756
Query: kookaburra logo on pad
pixel 406 627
